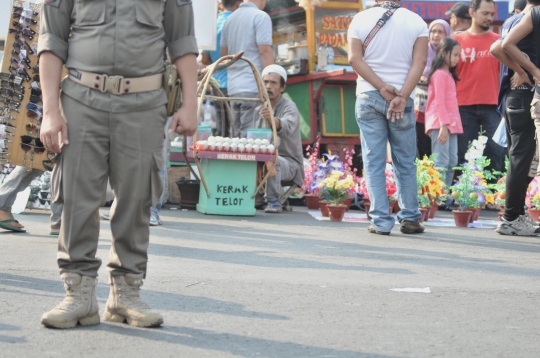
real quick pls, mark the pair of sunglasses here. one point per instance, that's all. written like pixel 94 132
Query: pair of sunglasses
pixel 25 32
pixel 20 71
pixel 11 94
pixel 25 19
pixel 27 146
pixel 10 77
pixel 33 111
pixel 9 109
pixel 18 10
pixel 9 102
pixel 13 86
pixel 4 120
pixel 31 127
pixel 20 44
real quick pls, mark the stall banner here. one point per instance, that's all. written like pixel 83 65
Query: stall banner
pixel 432 10
pixel 331 27
pixel 205 15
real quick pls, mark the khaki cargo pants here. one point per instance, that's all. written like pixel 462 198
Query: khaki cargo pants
pixel 125 147
pixel 535 115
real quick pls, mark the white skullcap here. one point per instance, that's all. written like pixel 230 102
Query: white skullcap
pixel 275 69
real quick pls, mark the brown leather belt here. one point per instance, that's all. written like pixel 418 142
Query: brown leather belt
pixel 116 84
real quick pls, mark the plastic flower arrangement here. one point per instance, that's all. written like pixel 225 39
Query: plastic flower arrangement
pixel 312 156
pixel 391 188
pixel 500 186
pixel 335 186
pixel 532 199
pixel 323 169
pixel 349 169
pixel 431 188
pixel 471 189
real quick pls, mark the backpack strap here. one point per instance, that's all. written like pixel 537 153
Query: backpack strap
pixel 386 16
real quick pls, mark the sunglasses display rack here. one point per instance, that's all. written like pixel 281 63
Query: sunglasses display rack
pixel 21 105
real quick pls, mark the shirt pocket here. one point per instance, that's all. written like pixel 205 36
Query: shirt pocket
pixel 90 12
pixel 150 12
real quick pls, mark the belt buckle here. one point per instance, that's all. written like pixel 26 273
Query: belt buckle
pixel 111 84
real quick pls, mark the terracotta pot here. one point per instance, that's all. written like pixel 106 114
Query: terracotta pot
pixel 347 202
pixel 471 218
pixel 462 217
pixel 424 212
pixel 367 205
pixel 433 210
pixel 501 208
pixel 312 201
pixel 397 209
pixel 324 208
pixel 500 215
pixel 535 214
pixel 337 212
pixel 477 212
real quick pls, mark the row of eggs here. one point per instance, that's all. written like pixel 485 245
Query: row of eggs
pixel 244 141
pixel 236 148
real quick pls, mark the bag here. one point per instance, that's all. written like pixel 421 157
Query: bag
pixel 173 88
pixel 499 136
pixel 386 16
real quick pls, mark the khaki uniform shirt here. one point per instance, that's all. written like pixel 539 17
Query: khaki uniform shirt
pixel 116 37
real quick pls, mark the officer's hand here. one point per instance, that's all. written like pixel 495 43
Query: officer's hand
pixel 54 131
pixel 185 120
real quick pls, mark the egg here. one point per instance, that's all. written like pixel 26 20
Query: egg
pixel 236 140
pixel 212 146
pixel 250 141
pixel 234 146
pixel 248 148
pixel 204 145
pixel 255 148
pixel 219 146
pixel 241 148
pixel 226 147
pixel 211 139
pixel 265 142
pixel 258 141
pixel 271 149
pixel 226 140
pixel 243 141
pixel 263 149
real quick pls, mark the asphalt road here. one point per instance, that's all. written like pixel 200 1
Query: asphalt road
pixel 289 286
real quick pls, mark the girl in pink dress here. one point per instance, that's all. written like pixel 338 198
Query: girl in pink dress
pixel 443 123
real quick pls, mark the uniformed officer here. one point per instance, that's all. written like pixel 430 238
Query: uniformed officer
pixel 109 124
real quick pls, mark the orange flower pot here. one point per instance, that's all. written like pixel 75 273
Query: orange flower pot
pixel 324 208
pixel 347 202
pixel 424 212
pixel 462 218
pixel 312 201
pixel 337 212
pixel 535 214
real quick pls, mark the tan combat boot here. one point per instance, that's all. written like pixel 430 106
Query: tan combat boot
pixel 125 304
pixel 79 305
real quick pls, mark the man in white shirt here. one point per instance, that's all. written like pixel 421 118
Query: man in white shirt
pixel 248 29
pixel 388 68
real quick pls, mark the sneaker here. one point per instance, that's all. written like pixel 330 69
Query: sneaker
pixel 105 216
pixel 273 209
pixel 528 218
pixel 519 227
pixel 411 227
pixel 154 220
pixel 371 229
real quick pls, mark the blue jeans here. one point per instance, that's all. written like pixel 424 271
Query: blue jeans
pixel 375 131
pixel 447 155
pixel 155 210
pixel 472 117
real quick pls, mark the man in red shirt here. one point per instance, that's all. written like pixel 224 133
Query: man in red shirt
pixel 478 88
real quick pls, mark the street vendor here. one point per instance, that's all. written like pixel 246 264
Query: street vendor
pixel 287 120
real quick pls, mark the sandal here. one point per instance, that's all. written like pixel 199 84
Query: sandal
pixel 4 225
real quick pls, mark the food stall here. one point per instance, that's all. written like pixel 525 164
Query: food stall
pixel 325 99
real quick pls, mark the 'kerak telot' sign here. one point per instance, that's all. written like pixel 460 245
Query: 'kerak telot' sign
pixel 432 10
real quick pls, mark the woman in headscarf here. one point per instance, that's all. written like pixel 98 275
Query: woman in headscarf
pixel 438 30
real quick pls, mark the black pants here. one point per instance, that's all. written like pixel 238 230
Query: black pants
pixel 423 142
pixel 520 131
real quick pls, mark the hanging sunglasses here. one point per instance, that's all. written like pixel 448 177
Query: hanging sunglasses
pixel 6 109
pixel 35 99
pixel 31 127
pixel 12 85
pixel 33 111
pixel 26 32
pixel 35 69
pixel 48 165
pixel 11 94
pixel 25 19
pixel 5 120
pixel 9 101
pixel 17 10
pixel 20 43
pixel 36 91
pixel 27 141
pixel 8 76
pixel 38 149
pixel 36 78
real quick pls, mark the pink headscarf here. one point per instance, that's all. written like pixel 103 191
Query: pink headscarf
pixel 432 49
